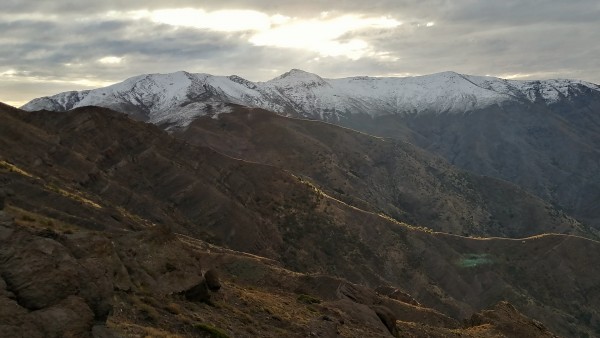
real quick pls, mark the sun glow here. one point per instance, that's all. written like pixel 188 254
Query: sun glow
pixel 324 34
pixel 526 76
pixel 108 60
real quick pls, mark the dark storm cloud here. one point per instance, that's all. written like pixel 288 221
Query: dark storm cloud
pixel 52 45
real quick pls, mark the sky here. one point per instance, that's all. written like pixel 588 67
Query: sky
pixel 51 46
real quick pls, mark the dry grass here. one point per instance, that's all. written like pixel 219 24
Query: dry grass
pixel 77 196
pixel 13 168
pixel 211 330
pixel 36 221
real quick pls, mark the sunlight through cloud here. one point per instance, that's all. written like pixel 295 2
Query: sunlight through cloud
pixel 224 20
pixel 108 60
pixel 323 34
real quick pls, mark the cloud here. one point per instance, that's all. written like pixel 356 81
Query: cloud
pixel 222 20
pixel 51 46
pixel 108 60
pixel 320 34
pixel 323 35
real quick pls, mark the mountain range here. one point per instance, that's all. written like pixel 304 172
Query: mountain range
pixel 177 98
pixel 543 136
pixel 445 205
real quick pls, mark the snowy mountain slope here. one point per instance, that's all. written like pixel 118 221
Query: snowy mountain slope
pixel 178 98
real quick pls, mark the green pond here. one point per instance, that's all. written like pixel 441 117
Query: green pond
pixel 473 260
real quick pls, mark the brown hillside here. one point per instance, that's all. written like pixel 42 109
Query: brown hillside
pixel 95 169
pixel 381 175
pixel 551 151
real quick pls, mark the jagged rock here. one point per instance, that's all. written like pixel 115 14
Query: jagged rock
pixel 388 318
pixel 212 280
pixel 510 322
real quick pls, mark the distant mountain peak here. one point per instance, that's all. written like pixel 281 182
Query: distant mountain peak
pixel 298 76
pixel 448 73
pixel 295 72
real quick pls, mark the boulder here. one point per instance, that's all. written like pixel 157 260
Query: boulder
pixel 39 271
pixel 198 293
pixel 69 318
pixel 212 280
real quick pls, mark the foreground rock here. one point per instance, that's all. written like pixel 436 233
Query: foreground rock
pixel 62 285
pixel 45 290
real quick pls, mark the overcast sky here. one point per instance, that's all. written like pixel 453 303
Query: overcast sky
pixel 50 46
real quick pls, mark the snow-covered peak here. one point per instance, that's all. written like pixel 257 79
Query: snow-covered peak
pixel 178 98
pixel 297 77
pixel 546 91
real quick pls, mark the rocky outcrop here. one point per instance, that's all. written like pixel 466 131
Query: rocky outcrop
pixel 62 284
pixel 509 322
pixel 388 318
pixel 46 290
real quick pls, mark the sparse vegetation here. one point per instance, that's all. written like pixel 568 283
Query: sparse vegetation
pixel 36 221
pixel 73 195
pixel 148 312
pixel 307 299
pixel 211 330
pixel 13 168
